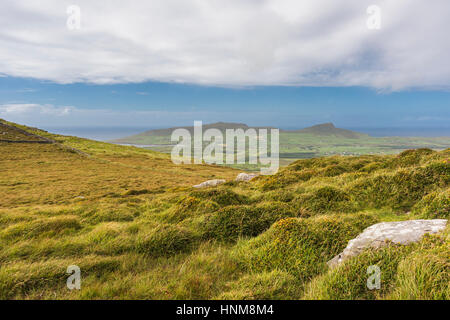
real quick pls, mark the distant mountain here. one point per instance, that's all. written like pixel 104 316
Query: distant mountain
pixel 325 129
pixel 222 126
pixel 328 129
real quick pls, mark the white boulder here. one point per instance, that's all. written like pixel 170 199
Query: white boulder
pixel 210 183
pixel 380 234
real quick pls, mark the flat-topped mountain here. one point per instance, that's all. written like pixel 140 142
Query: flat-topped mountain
pixel 163 135
pixel 328 129
pixel 218 125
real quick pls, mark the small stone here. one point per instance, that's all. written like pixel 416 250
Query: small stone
pixel 210 183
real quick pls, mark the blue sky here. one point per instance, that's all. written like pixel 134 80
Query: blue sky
pixel 284 63
pixel 153 104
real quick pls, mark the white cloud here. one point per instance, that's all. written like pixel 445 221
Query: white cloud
pixel 49 116
pixel 69 116
pixel 21 109
pixel 229 42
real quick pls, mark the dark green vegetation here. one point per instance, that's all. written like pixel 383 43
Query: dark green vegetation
pixel 131 221
pixel 316 141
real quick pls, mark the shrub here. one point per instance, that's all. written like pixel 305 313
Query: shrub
pixel 263 286
pixel 42 228
pixel 280 195
pixel 334 170
pixel 416 271
pixel 372 166
pixel 21 278
pixel 401 189
pixel 424 275
pixel 189 206
pixel 107 215
pixel 410 157
pixel 314 163
pixel 223 197
pixel 302 246
pixel 349 280
pixel 232 222
pixel 165 240
pixel 323 200
pixel 435 205
pixel 283 179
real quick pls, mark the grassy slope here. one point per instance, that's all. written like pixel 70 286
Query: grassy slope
pixel 311 143
pixel 139 231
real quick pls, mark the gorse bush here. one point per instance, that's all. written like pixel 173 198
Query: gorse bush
pixel 24 278
pixel 435 205
pixel 410 157
pixel 279 195
pixel 189 206
pixel 200 202
pixel 424 274
pixel 335 170
pixel 222 197
pixel 324 199
pixel 349 281
pixel 400 189
pixel 302 246
pixel 417 271
pixel 55 226
pixel 230 223
pixel 165 240
pixel 284 179
pixel 263 286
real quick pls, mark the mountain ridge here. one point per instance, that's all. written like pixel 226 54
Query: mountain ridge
pixel 327 129
pixel 323 129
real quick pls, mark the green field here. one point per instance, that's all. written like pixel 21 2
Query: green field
pixel 133 223
pixel 317 141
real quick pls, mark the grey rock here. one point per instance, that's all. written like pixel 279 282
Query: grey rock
pixel 380 234
pixel 210 183
pixel 246 176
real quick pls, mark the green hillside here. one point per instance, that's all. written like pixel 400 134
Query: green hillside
pixel 316 141
pixel 132 222
pixel 328 129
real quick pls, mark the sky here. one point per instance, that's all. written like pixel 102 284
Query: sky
pixel 285 63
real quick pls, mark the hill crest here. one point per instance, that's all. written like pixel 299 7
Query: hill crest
pixel 324 129
pixel 329 129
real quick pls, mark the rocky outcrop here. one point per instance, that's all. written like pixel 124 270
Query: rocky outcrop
pixel 246 176
pixel 380 234
pixel 210 183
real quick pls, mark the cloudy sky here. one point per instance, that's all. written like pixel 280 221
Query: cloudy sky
pixel 153 63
